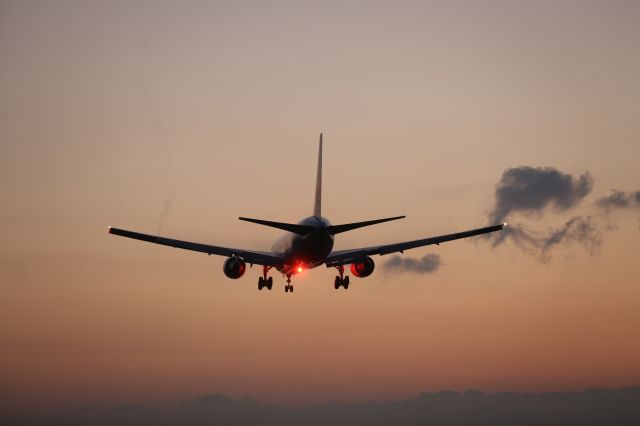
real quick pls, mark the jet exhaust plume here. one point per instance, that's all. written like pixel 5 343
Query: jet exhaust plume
pixel 429 263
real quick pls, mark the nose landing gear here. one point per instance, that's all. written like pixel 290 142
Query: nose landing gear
pixel 288 288
pixel 341 280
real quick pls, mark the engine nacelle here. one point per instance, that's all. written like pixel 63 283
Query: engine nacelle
pixel 234 268
pixel 363 269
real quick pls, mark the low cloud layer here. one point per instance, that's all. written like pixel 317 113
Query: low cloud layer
pixel 427 264
pixel 618 200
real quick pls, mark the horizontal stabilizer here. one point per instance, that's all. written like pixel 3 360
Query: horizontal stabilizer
pixel 336 229
pixel 291 227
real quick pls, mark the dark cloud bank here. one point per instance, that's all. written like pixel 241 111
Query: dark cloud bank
pixel 590 407
pixel 532 189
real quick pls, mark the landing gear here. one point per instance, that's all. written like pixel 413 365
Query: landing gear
pixel 288 288
pixel 265 281
pixel 341 280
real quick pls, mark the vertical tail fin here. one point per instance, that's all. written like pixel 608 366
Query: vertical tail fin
pixel 317 206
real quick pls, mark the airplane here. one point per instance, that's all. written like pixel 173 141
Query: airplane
pixel 305 245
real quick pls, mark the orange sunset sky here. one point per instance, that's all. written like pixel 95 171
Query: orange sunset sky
pixel 178 117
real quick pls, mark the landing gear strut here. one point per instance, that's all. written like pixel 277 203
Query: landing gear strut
pixel 341 280
pixel 288 287
pixel 264 280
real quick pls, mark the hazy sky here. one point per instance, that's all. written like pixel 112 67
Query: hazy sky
pixel 178 117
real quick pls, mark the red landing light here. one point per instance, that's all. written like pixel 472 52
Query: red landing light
pixel 299 269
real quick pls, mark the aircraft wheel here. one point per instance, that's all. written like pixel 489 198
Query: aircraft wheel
pixel 345 283
pixel 291 288
pixel 269 283
pixel 286 289
pixel 336 282
pixel 260 283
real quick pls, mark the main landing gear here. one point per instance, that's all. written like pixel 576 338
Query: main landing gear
pixel 267 282
pixel 289 286
pixel 341 281
pixel 264 280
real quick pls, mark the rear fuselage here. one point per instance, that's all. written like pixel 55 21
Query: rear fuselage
pixel 306 251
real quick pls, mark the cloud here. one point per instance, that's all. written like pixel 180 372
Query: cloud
pixel 427 264
pixel 530 190
pixel 583 230
pixel 533 191
pixel 619 200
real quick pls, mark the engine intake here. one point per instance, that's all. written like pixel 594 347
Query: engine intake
pixel 363 269
pixel 234 268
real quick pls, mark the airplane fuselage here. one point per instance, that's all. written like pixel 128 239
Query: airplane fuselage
pixel 306 251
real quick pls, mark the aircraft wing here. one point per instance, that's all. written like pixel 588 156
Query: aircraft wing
pixel 249 256
pixel 343 257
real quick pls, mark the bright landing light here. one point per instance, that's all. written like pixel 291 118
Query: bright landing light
pixel 299 268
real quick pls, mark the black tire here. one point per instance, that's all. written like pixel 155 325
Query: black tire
pixel 260 283
pixel 286 289
pixel 345 282
pixel 336 282
pixel 269 283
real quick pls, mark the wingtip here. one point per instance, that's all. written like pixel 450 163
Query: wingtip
pixel 108 229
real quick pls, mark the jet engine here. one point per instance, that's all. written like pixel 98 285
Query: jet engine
pixel 234 268
pixel 363 269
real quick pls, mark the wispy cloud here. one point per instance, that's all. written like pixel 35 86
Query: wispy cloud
pixel 532 192
pixel 618 200
pixel 427 264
